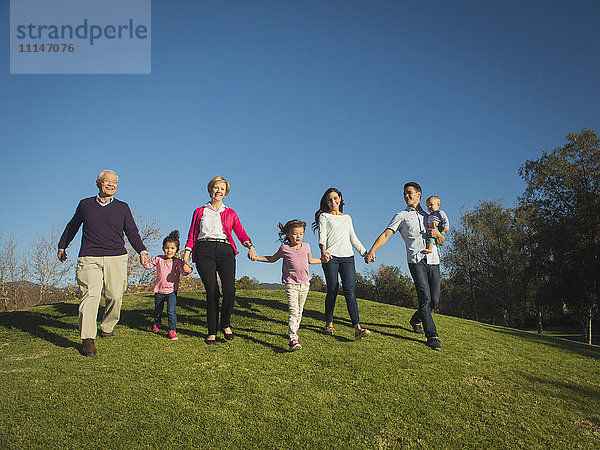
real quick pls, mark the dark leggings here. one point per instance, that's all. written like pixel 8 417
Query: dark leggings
pixel 212 258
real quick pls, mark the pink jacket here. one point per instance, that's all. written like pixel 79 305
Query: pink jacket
pixel 167 274
pixel 230 221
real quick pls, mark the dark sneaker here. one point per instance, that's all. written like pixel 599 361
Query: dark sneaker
pixel 228 336
pixel 416 327
pixel 89 349
pixel 106 334
pixel 434 343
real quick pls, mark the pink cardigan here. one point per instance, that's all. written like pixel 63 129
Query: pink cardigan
pixel 230 221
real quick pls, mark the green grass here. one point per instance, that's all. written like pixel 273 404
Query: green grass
pixel 489 387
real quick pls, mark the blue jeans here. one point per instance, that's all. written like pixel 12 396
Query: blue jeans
pixel 159 302
pixel 427 282
pixel 345 267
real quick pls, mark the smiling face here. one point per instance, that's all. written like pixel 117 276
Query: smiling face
pixel 433 204
pixel 412 197
pixel 170 250
pixel 295 235
pixel 333 202
pixel 107 186
pixel 218 191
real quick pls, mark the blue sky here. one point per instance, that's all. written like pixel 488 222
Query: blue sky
pixel 285 99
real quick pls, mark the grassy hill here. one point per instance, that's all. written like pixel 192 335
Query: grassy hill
pixel 489 387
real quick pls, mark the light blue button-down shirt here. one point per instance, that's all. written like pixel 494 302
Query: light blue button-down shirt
pixel 412 225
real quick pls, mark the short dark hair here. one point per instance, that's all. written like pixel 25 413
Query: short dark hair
pixel 415 185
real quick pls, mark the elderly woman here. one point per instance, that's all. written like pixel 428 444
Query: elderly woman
pixel 210 242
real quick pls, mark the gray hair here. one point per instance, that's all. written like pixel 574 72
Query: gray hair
pixel 102 174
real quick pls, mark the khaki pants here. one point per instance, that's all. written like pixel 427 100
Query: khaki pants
pixel 93 274
pixel 296 296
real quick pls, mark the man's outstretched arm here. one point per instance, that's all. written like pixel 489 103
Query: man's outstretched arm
pixel 382 239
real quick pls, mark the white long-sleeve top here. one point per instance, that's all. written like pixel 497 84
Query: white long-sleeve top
pixel 337 236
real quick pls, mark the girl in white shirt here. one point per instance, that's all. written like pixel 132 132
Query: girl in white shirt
pixel 336 239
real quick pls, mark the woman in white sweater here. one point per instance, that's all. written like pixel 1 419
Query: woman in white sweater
pixel 336 239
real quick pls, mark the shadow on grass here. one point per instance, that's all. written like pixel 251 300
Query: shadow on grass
pixel 570 392
pixel 191 319
pixel 551 341
pixel 276 348
pixel 40 324
pixel 384 330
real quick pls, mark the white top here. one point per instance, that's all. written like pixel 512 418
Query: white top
pixel 412 227
pixel 337 235
pixel 210 224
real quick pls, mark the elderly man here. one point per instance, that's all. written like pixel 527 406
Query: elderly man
pixel 102 261
pixel 424 268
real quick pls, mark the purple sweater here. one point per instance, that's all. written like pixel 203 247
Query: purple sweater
pixel 103 228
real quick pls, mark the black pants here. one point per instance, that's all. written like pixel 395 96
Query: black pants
pixel 212 258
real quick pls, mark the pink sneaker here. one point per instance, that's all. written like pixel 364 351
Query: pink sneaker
pixel 173 335
pixel 156 327
pixel 294 345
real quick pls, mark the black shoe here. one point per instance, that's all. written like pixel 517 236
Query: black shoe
pixel 416 327
pixel 228 336
pixel 106 334
pixel 434 343
pixel 89 349
pixel 210 341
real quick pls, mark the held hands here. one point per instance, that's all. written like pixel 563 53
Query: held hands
pixel 187 269
pixel 252 255
pixel 144 260
pixel 370 257
pixel 62 255
pixel 325 256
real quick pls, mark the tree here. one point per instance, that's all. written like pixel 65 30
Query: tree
pixel 391 286
pixel 247 283
pixel 486 261
pixel 13 273
pixel 364 287
pixel 564 186
pixel 317 284
pixel 46 270
pixel 139 278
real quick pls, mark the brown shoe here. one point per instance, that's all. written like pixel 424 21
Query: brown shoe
pixel 361 333
pixel 106 334
pixel 89 349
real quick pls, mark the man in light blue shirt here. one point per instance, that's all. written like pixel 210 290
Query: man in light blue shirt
pixel 424 268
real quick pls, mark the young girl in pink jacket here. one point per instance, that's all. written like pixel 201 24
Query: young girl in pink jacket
pixel 168 270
